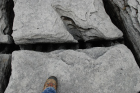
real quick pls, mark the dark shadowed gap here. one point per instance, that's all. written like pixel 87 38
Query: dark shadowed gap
pixel 7 74
pixel 10 14
pixel 48 47
pixel 8 48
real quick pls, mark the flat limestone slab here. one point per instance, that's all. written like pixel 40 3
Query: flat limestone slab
pixel 43 21
pixel 96 70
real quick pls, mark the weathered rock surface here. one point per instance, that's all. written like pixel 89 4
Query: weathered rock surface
pixel 5 71
pixel 5 28
pixel 58 21
pixel 99 70
pixel 126 15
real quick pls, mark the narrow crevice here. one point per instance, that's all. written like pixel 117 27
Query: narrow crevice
pixel 114 12
pixel 10 14
pixel 48 47
pixel 2 47
pixel 8 73
pixel 8 48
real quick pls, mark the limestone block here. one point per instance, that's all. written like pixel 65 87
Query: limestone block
pixel 59 21
pixel 99 70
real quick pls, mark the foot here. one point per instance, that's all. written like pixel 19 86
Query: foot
pixel 51 82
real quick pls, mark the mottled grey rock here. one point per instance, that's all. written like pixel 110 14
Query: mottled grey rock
pixel 5 71
pixel 59 21
pixel 5 28
pixel 127 13
pixel 5 39
pixel 99 70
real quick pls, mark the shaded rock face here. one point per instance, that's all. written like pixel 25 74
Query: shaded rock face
pixel 126 15
pixel 5 25
pixel 6 21
pixel 58 21
pixel 102 70
pixel 5 71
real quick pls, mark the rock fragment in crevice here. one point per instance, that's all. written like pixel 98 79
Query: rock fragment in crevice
pixel 126 16
pixel 102 70
pixel 5 71
pixel 46 22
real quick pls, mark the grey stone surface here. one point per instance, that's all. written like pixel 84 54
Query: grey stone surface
pixel 5 29
pixel 128 13
pixel 5 39
pixel 59 21
pixel 98 70
pixel 5 71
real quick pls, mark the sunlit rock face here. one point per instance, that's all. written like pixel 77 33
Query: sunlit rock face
pixel 58 21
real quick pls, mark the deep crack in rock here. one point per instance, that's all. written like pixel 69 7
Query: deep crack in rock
pixel 48 47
